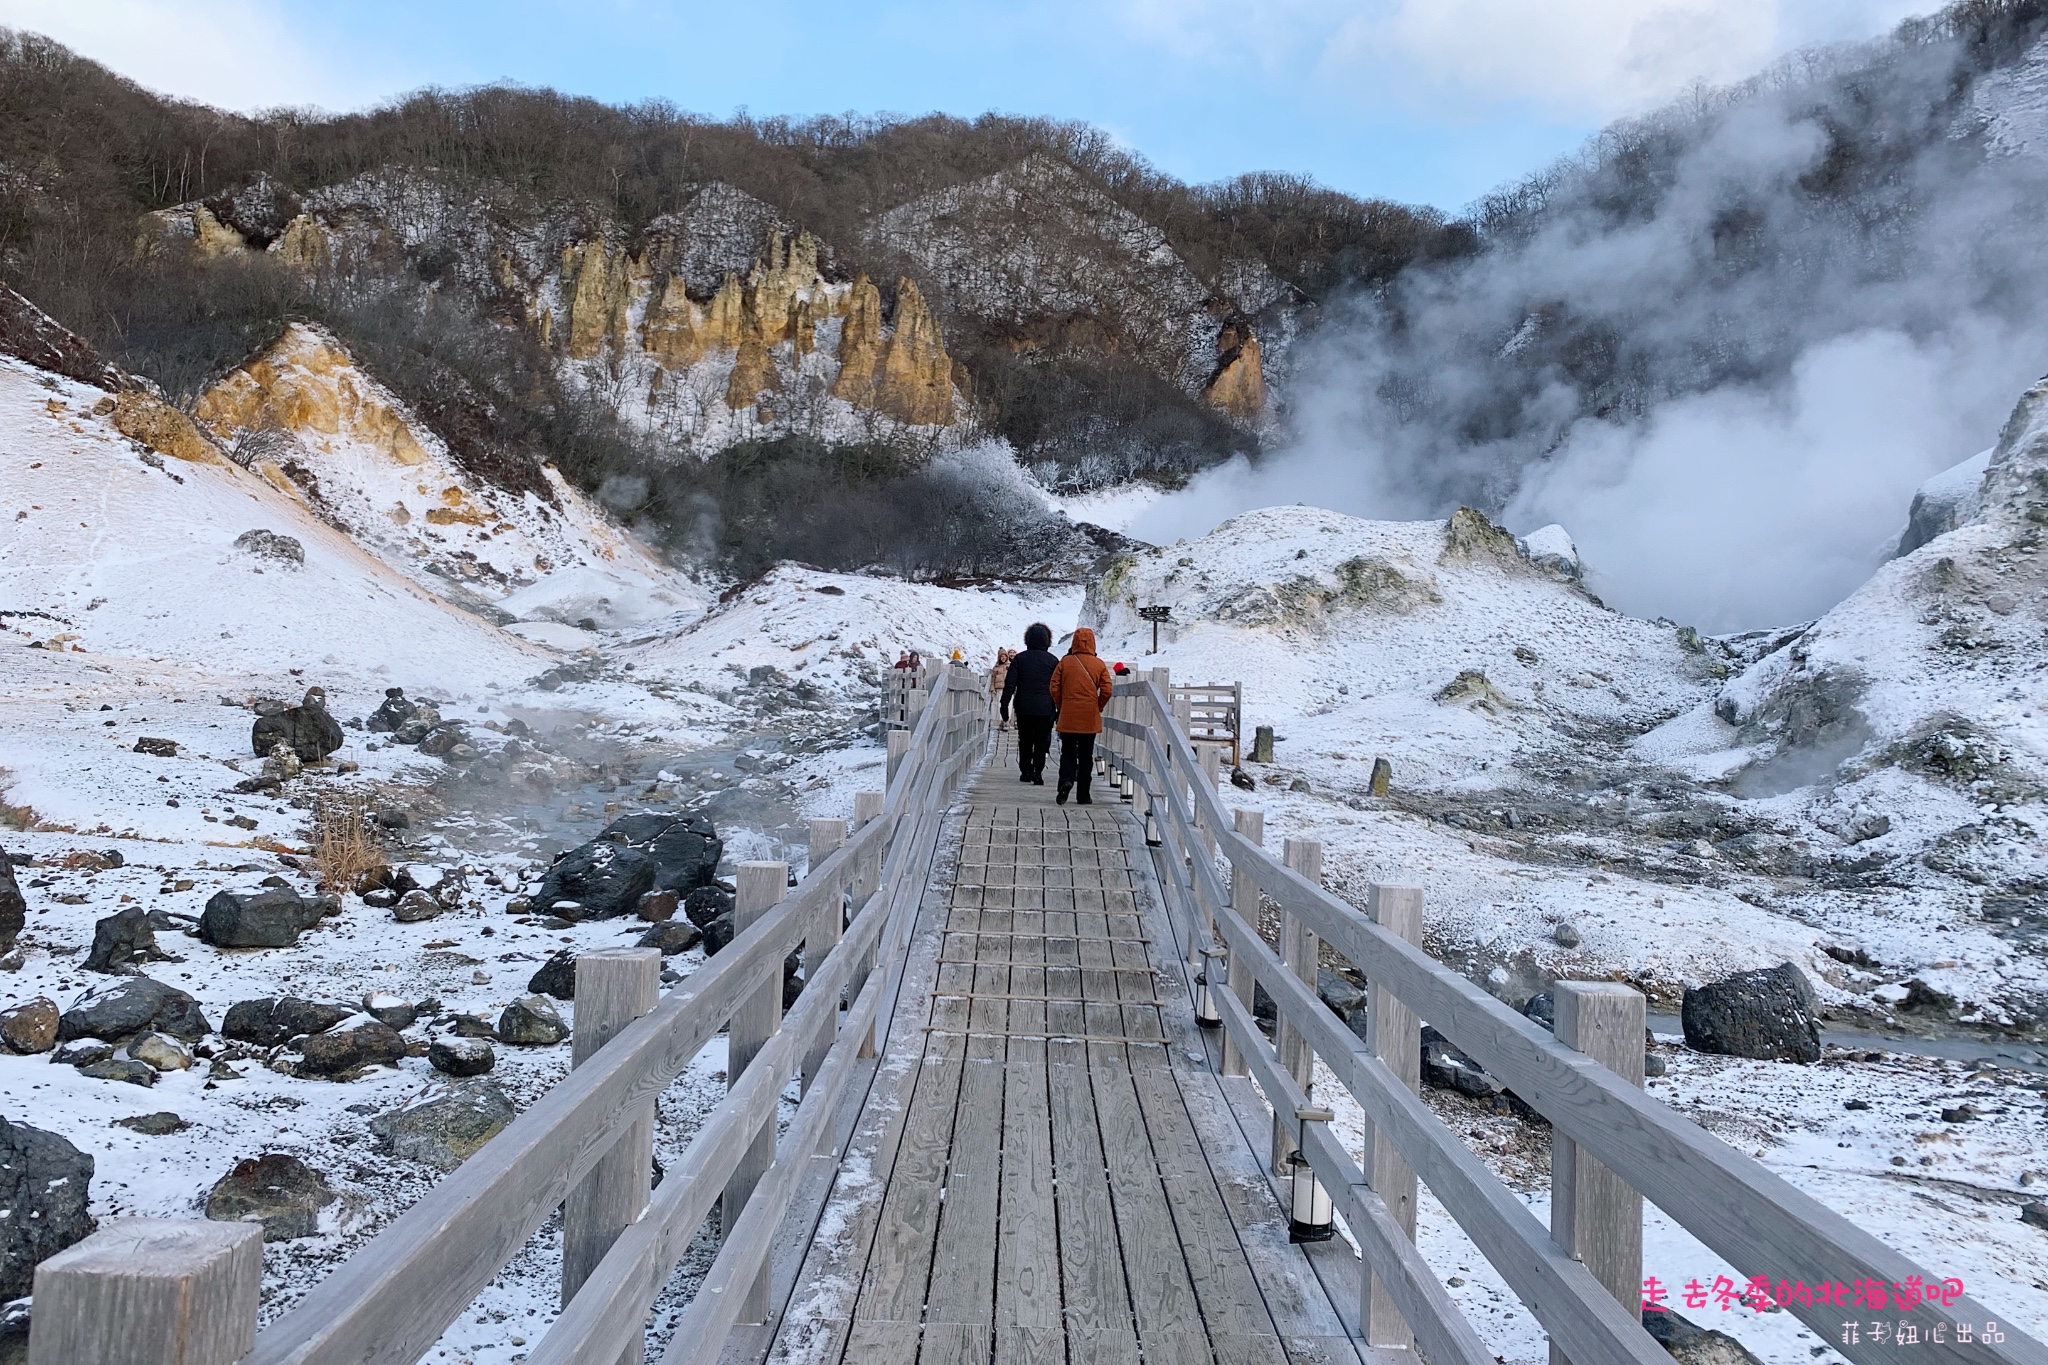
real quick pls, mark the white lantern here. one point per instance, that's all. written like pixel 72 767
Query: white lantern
pixel 1206 1015
pixel 1309 1216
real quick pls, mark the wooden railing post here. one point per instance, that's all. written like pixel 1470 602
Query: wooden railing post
pixel 1213 774
pixel 1594 1214
pixel 145 1291
pixel 867 807
pixel 1244 898
pixel 899 745
pixel 826 838
pixel 1299 950
pixel 1394 1032
pixel 614 986
pixel 759 888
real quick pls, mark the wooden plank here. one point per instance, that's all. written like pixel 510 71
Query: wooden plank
pixel 1163 1302
pixel 1244 898
pixel 760 885
pixel 1027 1239
pixel 893 1286
pixel 1091 1264
pixel 963 1287
pixel 614 986
pixel 1593 1212
pixel 1395 1035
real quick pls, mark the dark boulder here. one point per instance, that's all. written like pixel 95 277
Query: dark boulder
pixel 1542 1007
pixel 391 713
pixel 267 1022
pixel 445 1129
pixel 121 1069
pixel 30 1027
pixel 443 739
pixel 556 977
pixel 685 848
pixel 13 909
pixel 1447 1068
pixel 390 1010
pixel 717 934
pixel 1765 1014
pixel 600 880
pixel 461 1056
pixel 306 729
pixel 120 940
pixel 1690 1344
pixel 706 904
pixel 270 918
pixel 1343 995
pixel 672 937
pixel 281 1192
pixel 127 1007
pixel 342 1051
pixel 531 1021
pixel 271 545
pixel 417 726
pixel 44 1191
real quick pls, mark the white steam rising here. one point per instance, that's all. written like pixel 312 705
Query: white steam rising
pixel 1781 350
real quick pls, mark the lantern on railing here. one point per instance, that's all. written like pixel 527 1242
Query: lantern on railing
pixel 1152 838
pixel 1213 961
pixel 1309 1217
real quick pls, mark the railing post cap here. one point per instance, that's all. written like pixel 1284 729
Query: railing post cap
pixel 158 1248
pixel 620 954
pixel 1616 988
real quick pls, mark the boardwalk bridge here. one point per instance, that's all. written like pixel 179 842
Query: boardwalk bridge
pixel 1017 1142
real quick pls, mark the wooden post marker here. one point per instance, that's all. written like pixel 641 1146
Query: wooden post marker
pixel 1244 898
pixel 1395 1036
pixel 614 986
pixel 899 745
pixel 145 1291
pixel 1299 950
pixel 826 838
pixel 1594 1214
pixel 760 887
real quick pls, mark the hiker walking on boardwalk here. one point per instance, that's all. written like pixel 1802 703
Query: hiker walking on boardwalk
pixel 1025 684
pixel 1080 687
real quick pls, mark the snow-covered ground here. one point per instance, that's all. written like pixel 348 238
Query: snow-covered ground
pixel 128 611
pixel 1579 793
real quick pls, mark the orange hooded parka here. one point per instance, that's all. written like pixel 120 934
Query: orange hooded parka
pixel 1080 687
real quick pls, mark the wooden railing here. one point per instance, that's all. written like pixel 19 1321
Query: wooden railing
pixel 186 1292
pixel 1612 1144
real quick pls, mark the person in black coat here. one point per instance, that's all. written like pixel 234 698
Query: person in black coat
pixel 1026 689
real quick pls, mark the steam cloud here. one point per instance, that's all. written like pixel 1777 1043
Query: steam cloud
pixel 1722 347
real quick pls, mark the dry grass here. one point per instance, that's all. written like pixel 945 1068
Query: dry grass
pixel 12 816
pixel 346 844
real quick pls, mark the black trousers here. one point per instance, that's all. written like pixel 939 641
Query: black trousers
pixel 1077 761
pixel 1034 740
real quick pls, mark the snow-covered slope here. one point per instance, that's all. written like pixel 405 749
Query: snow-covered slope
pixel 314 424
pixel 123 552
pixel 835 633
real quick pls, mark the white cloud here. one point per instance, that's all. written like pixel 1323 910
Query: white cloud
pixel 236 54
pixel 1588 59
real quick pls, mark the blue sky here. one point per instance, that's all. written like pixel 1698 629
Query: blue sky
pixel 1425 101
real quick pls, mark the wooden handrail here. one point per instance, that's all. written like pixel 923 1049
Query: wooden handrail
pixel 387 1304
pixel 1756 1220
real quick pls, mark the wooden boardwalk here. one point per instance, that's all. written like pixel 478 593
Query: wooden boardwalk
pixel 1055 1174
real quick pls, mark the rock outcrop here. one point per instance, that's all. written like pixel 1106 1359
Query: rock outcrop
pixel 308 384
pixel 1238 386
pixel 907 376
pixel 44 1192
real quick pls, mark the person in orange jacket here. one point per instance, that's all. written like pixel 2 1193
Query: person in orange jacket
pixel 1080 688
